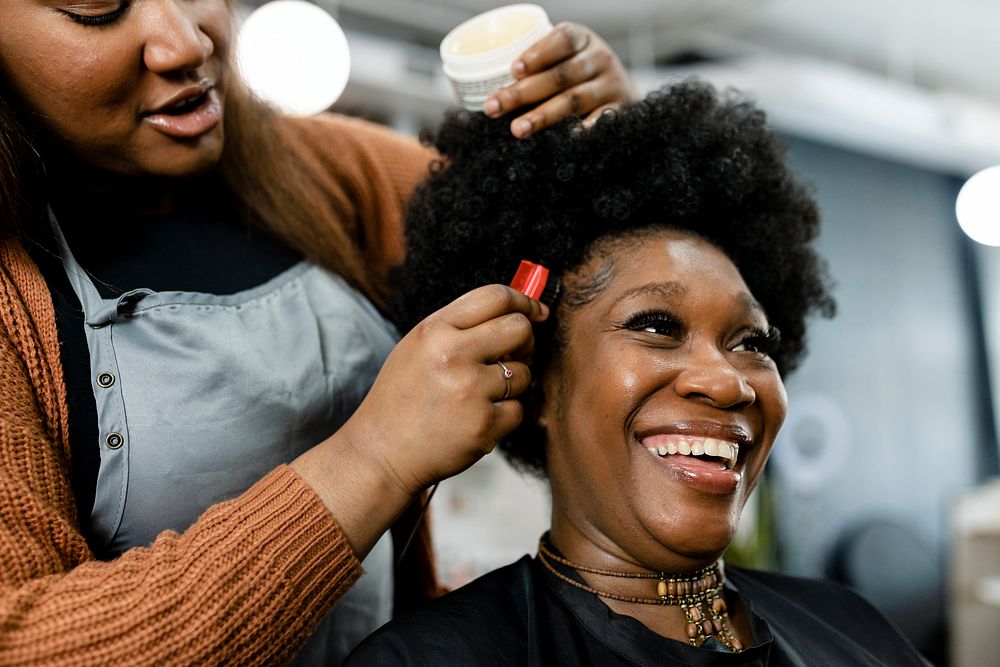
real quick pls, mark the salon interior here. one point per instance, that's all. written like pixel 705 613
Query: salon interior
pixel 885 475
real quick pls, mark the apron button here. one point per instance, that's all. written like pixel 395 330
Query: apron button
pixel 114 440
pixel 106 379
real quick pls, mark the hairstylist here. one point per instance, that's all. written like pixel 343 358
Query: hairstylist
pixel 190 468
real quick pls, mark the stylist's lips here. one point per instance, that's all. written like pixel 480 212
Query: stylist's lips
pixel 705 463
pixel 190 113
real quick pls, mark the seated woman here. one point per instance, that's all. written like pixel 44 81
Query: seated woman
pixel 682 245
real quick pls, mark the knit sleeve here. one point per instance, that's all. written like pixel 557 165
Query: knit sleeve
pixel 372 171
pixel 245 585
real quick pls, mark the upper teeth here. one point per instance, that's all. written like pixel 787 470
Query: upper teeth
pixel 698 446
pixel 185 101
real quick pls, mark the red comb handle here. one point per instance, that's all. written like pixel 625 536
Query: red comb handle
pixel 530 279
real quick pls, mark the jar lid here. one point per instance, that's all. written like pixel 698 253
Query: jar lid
pixel 492 40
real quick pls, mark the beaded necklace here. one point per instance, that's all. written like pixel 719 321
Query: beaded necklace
pixel 699 595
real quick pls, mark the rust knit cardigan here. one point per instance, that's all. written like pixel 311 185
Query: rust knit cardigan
pixel 248 582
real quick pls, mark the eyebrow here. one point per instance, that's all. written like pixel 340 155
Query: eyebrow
pixel 753 304
pixel 672 289
pixel 667 290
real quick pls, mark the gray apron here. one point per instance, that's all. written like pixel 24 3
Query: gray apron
pixel 201 395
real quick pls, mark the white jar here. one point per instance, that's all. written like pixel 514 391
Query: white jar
pixel 477 54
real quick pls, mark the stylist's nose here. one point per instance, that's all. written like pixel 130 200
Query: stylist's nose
pixel 709 376
pixel 175 40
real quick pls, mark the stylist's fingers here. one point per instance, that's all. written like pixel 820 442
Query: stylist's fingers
pixel 438 403
pixel 573 70
pixel 594 115
pixel 508 415
pixel 541 83
pixel 486 303
pixel 575 102
pixel 505 336
pixel 563 42
pixel 506 379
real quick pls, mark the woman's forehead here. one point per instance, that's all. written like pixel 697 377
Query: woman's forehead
pixel 665 267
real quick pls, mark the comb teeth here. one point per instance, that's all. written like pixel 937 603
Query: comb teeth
pixel 533 281
pixel 551 291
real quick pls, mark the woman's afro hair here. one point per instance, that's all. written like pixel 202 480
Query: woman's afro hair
pixel 684 158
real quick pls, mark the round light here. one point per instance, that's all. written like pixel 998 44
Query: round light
pixel 294 55
pixel 978 207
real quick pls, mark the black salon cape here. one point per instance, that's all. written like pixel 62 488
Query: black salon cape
pixel 523 615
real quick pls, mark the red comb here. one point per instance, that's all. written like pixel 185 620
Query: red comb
pixel 530 279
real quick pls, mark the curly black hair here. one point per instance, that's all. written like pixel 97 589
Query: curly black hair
pixel 685 158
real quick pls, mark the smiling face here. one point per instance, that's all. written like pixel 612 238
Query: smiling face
pixel 134 87
pixel 669 355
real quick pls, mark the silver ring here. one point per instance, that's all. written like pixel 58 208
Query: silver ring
pixel 507 375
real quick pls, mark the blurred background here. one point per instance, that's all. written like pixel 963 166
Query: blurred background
pixel 882 475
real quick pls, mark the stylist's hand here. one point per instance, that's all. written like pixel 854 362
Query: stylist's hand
pixel 438 404
pixel 436 407
pixel 570 71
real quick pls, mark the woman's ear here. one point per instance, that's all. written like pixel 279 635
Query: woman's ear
pixel 545 391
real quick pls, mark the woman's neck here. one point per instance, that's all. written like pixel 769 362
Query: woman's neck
pixel 584 542
pixel 76 185
pixel 589 547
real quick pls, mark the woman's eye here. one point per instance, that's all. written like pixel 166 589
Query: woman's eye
pixel 660 324
pixel 760 342
pixel 98 19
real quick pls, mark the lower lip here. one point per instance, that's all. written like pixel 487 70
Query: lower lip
pixel 705 476
pixel 192 124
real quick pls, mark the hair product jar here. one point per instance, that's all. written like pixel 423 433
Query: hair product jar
pixel 477 54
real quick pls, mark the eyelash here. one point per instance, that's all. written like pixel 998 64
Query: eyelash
pixel 103 19
pixel 760 340
pixel 765 342
pixel 648 318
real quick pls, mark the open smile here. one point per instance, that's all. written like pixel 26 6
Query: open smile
pixel 190 113
pixel 707 449
pixel 703 457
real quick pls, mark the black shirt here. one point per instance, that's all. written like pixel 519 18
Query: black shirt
pixel 524 615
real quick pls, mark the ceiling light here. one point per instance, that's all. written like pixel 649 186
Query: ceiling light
pixel 978 207
pixel 294 55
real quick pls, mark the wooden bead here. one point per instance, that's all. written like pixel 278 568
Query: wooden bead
pixel 717 624
pixel 706 627
pixel 692 630
pixel 719 606
pixel 695 614
pixel 737 644
pixel 671 588
pixel 661 589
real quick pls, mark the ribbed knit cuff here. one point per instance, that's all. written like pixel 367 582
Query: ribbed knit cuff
pixel 300 538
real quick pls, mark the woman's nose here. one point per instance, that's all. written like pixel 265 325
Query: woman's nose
pixel 175 40
pixel 709 376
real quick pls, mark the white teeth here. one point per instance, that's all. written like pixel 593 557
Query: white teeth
pixel 711 447
pixel 730 452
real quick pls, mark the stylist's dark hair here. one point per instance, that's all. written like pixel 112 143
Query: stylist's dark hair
pixel 20 172
pixel 684 158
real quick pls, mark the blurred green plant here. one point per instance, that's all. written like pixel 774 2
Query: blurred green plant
pixel 755 545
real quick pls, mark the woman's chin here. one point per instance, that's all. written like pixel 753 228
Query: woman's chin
pixel 689 542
